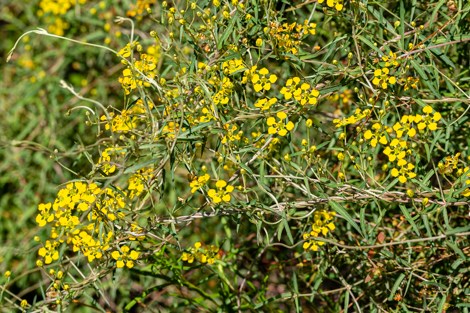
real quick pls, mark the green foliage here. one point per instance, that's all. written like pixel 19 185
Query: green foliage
pixel 235 156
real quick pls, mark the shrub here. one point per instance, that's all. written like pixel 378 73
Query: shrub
pixel 262 156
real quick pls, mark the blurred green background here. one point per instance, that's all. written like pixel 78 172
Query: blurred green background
pixel 39 122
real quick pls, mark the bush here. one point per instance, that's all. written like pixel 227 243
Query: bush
pixel 243 156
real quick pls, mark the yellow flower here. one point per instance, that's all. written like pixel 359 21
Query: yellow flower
pixel 45 216
pixel 376 135
pixel 232 66
pixel 405 126
pixel 49 252
pixel 382 78
pixel 337 4
pixel 222 193
pixel 322 225
pixel 429 120
pixel 265 103
pixel 261 80
pixel 279 127
pixel 391 59
pixel 290 88
pixel 404 171
pixel 125 258
pixel 199 182
pixel 24 304
pixel 188 257
pixel 396 150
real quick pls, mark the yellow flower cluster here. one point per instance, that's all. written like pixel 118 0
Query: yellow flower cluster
pixel 391 60
pixel 109 158
pixel 382 78
pixel 233 66
pixel 52 12
pixel 258 140
pixel 206 115
pixel 138 182
pixel 170 130
pixel 337 4
pixel 198 182
pixel 128 119
pixel 322 225
pixel 398 148
pixel 222 96
pixel 73 201
pixel 409 82
pixel 77 213
pixel 303 94
pixel 222 193
pixel 140 74
pixel 376 135
pixel 262 80
pixel 232 134
pixel 280 126
pixel 265 103
pixel 450 166
pixel 140 7
pixel 466 172
pixel 353 119
pixel 57 7
pixel 288 37
pixel 125 257
pixel 202 254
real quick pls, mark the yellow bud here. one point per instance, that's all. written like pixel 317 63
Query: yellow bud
pixel 425 201
pixel 24 304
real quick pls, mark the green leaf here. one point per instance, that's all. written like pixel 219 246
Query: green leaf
pixel 370 44
pixel 341 211
pixel 395 287
pixel 362 219
pixel 424 77
pixel 409 219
